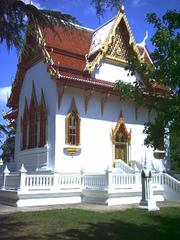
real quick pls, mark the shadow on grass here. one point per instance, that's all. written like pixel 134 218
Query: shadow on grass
pixel 157 228
pixel 161 228
pixel 14 230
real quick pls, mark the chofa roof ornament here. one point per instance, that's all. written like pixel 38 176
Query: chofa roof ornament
pixel 143 43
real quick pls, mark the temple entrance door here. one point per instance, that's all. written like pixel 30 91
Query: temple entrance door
pixel 121 151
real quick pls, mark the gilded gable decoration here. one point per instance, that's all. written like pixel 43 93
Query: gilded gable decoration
pixel 113 45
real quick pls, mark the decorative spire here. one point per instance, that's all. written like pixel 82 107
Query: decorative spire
pixel 143 43
pixel 122 6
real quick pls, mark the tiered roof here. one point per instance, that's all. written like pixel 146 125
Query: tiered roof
pixel 73 52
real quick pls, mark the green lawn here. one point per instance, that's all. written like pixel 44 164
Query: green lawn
pixel 76 224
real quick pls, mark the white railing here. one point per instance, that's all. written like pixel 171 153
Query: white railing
pixel 119 164
pixel 123 180
pixel 167 180
pixel 95 181
pixel 172 182
pixel 69 180
pixel 57 181
pixel 39 181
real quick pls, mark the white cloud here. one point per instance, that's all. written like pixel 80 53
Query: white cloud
pixel 4 94
pixel 139 3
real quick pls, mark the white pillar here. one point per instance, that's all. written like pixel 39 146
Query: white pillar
pixel 22 178
pixel 56 181
pixel 108 174
pixel 5 174
pixel 82 179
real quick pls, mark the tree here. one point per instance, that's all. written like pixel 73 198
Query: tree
pixel 8 145
pixel 3 132
pixel 7 141
pixel 163 74
pixel 15 16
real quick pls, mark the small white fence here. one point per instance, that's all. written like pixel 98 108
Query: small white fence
pixel 123 180
pixel 24 181
pixel 167 180
pixel 94 181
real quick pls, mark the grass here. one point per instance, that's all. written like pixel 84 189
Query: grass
pixel 77 224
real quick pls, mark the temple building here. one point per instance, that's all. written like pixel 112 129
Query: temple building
pixel 70 119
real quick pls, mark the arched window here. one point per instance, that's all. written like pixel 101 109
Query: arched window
pixel 73 126
pixel 121 139
pixel 33 121
pixel 42 122
pixel 24 127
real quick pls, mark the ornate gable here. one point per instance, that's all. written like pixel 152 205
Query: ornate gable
pixel 118 43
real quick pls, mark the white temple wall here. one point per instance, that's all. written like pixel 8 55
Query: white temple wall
pixel 112 72
pixel 95 136
pixel 37 157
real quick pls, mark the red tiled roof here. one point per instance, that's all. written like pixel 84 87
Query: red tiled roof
pixel 71 39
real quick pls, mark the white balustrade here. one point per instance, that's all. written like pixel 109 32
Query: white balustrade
pixel 95 181
pixel 56 181
pixel 66 181
pixel 165 179
pixel 40 181
pixel 172 182
pixel 123 180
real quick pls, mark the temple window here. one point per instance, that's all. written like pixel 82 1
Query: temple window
pixel 73 126
pixel 42 122
pixel 121 140
pixel 24 127
pixel 33 121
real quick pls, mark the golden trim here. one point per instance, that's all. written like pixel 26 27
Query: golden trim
pixel 72 109
pixel 90 66
pixel 120 122
pixel 72 150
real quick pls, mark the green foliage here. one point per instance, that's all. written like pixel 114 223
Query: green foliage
pixel 15 16
pixel 3 132
pixel 102 5
pixel 155 134
pixel 175 150
pixel 8 145
pixel 165 72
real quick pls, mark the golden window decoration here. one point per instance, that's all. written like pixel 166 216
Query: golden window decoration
pixel 42 121
pixel 33 121
pixel 73 126
pixel 121 139
pixel 24 127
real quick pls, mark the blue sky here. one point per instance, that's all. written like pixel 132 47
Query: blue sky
pixel 136 11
